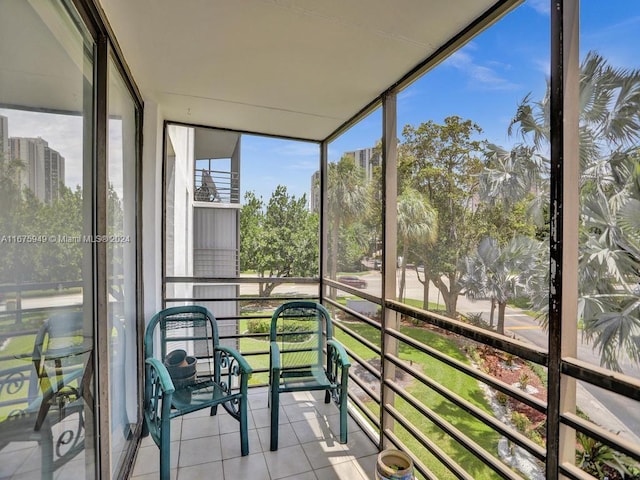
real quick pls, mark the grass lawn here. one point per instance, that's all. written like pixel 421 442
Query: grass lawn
pixel 256 361
pixel 450 378
pixel 17 346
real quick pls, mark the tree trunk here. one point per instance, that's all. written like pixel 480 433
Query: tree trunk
pixel 502 306
pixel 425 286
pixel 449 295
pixel 268 288
pixel 451 298
pixel 333 268
pixel 425 292
pixel 493 311
pixel 403 270
pixel 451 303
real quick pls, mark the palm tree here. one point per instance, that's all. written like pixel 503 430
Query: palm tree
pixel 609 255
pixel 501 273
pixel 418 222
pixel 347 199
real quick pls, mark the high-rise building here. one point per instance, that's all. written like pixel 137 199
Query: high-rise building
pixel 53 174
pixel 4 137
pixel 314 198
pixel 365 158
pixel 43 167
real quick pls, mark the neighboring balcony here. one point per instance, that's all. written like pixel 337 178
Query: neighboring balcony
pixel 216 187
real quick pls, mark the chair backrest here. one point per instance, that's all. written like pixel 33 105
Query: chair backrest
pixel 60 333
pixel 191 328
pixel 301 329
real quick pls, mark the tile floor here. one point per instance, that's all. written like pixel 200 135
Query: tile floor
pixel 209 447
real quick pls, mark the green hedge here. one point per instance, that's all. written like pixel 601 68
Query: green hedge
pixel 290 326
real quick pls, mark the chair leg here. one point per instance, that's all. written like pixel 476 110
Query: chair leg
pixel 343 417
pixel 244 434
pixel 214 410
pixel 275 411
pixel 165 449
pixel 327 396
pixel 46 461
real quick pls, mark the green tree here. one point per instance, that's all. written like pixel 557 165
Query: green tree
pixel 442 162
pixel 347 201
pixel 609 250
pixel 501 273
pixel 280 240
pixel 418 222
pixel 43 260
pixel 251 227
pixel 63 217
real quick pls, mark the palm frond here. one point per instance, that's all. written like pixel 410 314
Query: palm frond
pixel 628 217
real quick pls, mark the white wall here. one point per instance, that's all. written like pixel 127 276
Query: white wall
pixel 181 223
pixel 152 209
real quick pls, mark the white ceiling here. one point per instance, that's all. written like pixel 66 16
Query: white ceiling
pixel 297 68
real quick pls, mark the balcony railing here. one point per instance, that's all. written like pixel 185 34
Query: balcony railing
pixel 216 186
pixel 387 389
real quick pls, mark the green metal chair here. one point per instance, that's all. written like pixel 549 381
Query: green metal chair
pixel 44 399
pixel 220 375
pixel 305 357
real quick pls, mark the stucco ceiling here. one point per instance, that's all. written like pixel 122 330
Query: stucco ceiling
pixel 297 68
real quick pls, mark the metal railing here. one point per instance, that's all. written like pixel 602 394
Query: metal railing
pixel 216 186
pixel 380 403
pixel 13 296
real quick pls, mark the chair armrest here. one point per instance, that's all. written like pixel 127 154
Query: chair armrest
pixel 58 383
pixel 242 363
pixel 166 384
pixel 342 353
pixel 274 352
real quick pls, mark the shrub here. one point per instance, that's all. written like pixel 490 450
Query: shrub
pixel 523 380
pixel 259 325
pixel 520 421
pixel 263 325
pixel 502 398
pixel 509 359
pixel 477 320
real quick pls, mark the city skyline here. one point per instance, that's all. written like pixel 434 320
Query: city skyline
pixel 43 169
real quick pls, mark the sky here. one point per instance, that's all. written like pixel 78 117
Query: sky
pixel 484 81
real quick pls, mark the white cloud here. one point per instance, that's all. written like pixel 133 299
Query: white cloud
pixel 543 65
pixel 541 6
pixel 481 77
pixel 298 149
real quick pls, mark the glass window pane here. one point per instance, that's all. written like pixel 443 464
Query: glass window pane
pixel 121 265
pixel 46 268
pixel 609 209
pixel 473 197
pixel 354 209
pixel 238 205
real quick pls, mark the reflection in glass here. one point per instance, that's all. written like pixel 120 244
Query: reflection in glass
pixel 46 321
pixel 609 261
pixel 121 265
pixel 354 206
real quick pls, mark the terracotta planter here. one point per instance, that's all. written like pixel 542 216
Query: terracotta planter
pixel 394 465
pixel 181 367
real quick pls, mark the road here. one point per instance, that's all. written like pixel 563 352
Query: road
pixel 610 410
